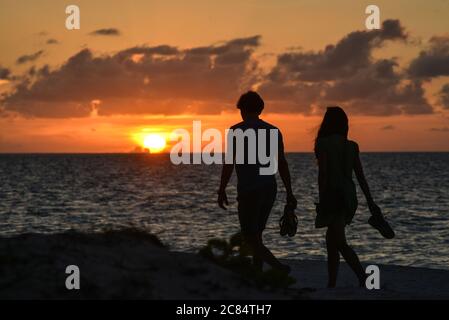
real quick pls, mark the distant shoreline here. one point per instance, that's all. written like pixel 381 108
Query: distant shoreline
pixel 167 153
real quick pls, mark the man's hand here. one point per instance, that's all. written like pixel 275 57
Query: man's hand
pixel 222 198
pixel 291 200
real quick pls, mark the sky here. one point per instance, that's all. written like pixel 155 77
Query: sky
pixel 149 67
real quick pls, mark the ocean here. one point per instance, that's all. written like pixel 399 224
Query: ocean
pixel 92 192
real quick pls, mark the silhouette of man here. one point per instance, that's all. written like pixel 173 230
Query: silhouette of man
pixel 256 193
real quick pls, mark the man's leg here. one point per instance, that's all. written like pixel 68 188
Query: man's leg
pixel 262 253
pixel 257 261
pixel 254 209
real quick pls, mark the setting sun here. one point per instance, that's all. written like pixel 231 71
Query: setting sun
pixel 154 142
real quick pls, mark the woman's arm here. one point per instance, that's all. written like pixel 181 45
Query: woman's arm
pixel 358 169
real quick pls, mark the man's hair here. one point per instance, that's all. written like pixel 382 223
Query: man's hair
pixel 250 102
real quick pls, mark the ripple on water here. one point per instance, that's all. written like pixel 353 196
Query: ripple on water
pixel 53 193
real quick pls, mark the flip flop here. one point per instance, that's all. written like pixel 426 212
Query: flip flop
pixel 379 223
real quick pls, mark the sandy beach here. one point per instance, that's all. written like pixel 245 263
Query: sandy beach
pixel 397 282
pixel 134 265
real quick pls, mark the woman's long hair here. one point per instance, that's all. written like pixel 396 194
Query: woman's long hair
pixel 335 121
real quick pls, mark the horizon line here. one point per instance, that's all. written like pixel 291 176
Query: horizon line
pixel 167 153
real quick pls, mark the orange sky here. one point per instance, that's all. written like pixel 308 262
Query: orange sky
pixel 281 25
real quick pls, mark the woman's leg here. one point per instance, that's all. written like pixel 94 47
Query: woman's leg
pixel 333 258
pixel 348 253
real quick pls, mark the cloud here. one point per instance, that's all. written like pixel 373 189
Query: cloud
pixel 208 79
pixel 388 127
pixel 163 80
pixel 52 41
pixel 350 54
pixel 29 57
pixel 367 94
pixel 346 73
pixel 444 96
pixel 141 51
pixel 442 129
pixel 4 73
pixel 434 61
pixel 106 32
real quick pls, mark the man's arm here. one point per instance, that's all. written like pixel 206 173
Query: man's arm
pixel 284 172
pixel 226 174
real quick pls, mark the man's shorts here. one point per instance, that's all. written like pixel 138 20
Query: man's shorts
pixel 254 208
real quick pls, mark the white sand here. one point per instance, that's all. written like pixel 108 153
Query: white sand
pixel 396 282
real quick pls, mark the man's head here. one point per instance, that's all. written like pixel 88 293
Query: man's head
pixel 250 105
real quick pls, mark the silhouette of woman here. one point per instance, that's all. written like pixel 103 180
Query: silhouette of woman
pixel 337 158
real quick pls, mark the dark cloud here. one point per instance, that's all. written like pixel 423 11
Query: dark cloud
pixel 368 92
pixel 389 127
pixel 350 54
pixel 38 72
pixel 106 32
pixel 163 50
pixel 295 97
pixel 162 80
pixel 208 79
pixel 29 57
pixel 442 129
pixel 52 41
pixel 346 73
pixel 444 96
pixel 432 62
pixel 4 73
